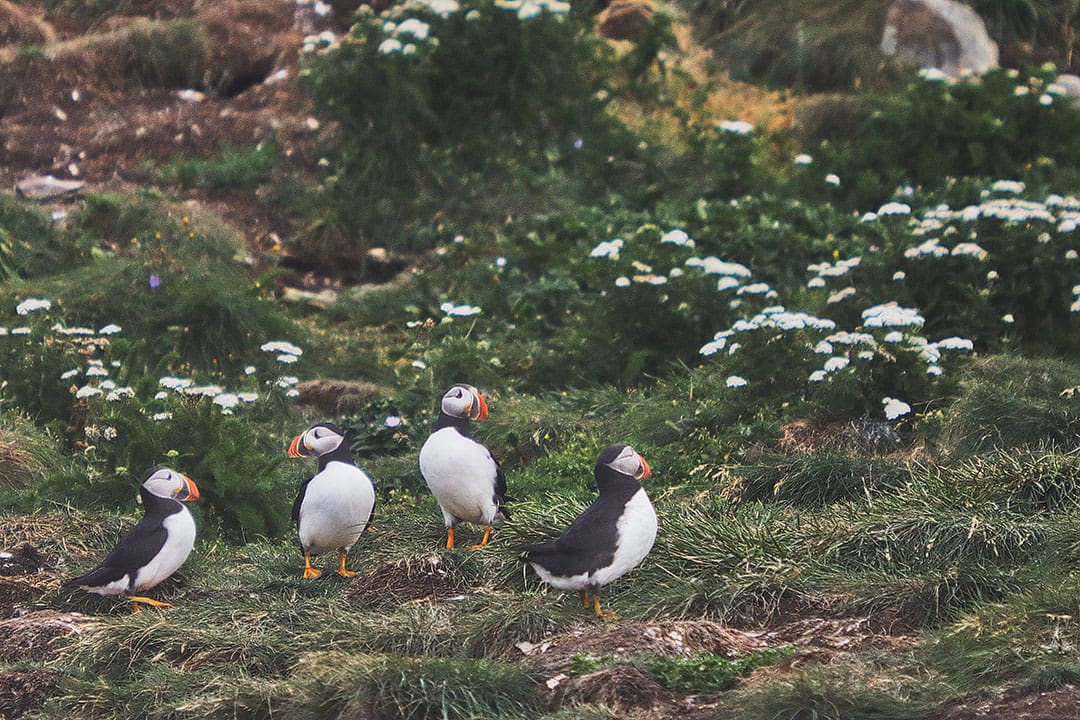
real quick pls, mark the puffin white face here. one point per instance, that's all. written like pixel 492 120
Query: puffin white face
pixel 168 483
pixel 465 401
pixel 317 440
pixel 628 462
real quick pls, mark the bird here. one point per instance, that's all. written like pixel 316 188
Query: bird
pixel 336 504
pixel 462 474
pixel 152 550
pixel 609 539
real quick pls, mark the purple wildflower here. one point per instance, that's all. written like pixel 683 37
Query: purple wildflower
pixel 155 281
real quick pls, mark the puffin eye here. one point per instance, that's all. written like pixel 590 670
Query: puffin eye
pixel 458 394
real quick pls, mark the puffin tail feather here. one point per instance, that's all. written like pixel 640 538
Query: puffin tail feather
pixel 95 578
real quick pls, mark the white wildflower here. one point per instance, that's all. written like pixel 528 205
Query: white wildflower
pixel 281 346
pixel 287 381
pixel 32 305
pixel 677 237
pixel 286 359
pixel 815 283
pixel 459 310
pixel 832 179
pixel 835 363
pixel 86 391
pixel 736 127
pixel 890 314
pixel 840 295
pixel 69 374
pixel 607 248
pixel 110 329
pixel 895 408
pixel 734 381
pixel 955 343
pixel 803 159
pixel 899 275
pixel 894 208
pixel 817 376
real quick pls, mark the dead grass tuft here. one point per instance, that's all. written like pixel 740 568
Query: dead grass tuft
pixel 619 687
pixel 406 580
pixel 17 464
pixel 37 635
pixel 337 397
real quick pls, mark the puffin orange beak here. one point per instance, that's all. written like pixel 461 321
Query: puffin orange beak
pixel 294 447
pixel 192 490
pixel 480 408
pixel 646 471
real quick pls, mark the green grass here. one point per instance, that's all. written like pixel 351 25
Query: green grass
pixel 231 167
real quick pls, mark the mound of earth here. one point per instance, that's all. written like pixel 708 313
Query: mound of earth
pixel 424 578
pixel 32 636
pixel 1061 704
pixel 22 691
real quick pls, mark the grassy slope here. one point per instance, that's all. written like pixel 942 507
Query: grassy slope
pixel 903 582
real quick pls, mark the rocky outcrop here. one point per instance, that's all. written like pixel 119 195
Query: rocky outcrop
pixel 942 34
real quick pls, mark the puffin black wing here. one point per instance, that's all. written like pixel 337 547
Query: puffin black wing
pixel 501 498
pixel 135 550
pixel 587 545
pixel 300 501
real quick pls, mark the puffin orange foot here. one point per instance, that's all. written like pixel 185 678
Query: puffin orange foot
pixel 341 568
pixel 449 538
pixel 584 598
pixel 484 540
pixel 605 614
pixel 136 599
pixel 310 572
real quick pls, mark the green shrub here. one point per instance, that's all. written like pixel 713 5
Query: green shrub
pixel 436 104
pixel 999 126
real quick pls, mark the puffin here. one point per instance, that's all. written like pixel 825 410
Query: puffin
pixel 152 550
pixel 462 474
pixel 335 504
pixel 609 539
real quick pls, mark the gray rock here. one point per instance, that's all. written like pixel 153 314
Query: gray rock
pixel 46 187
pixel 941 34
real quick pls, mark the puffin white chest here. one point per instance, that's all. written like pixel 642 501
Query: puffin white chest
pixel 461 475
pixel 179 540
pixel 336 508
pixel 634 538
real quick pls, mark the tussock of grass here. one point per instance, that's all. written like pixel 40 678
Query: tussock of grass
pixel 230 168
pixel 1013 402
pixel 816 479
pixel 1028 639
pixel 332 683
pixel 816 697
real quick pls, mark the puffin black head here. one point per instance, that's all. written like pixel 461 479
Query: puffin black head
pixel 464 401
pixel 318 440
pixel 168 483
pixel 624 460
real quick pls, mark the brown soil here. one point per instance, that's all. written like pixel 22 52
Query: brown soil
pixel 75 110
pixel 1062 704
pixel 422 578
pixel 36 635
pixel 22 691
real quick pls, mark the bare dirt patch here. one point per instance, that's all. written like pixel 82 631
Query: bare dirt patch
pixel 418 578
pixel 37 635
pixel 1062 704
pixel 22 691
